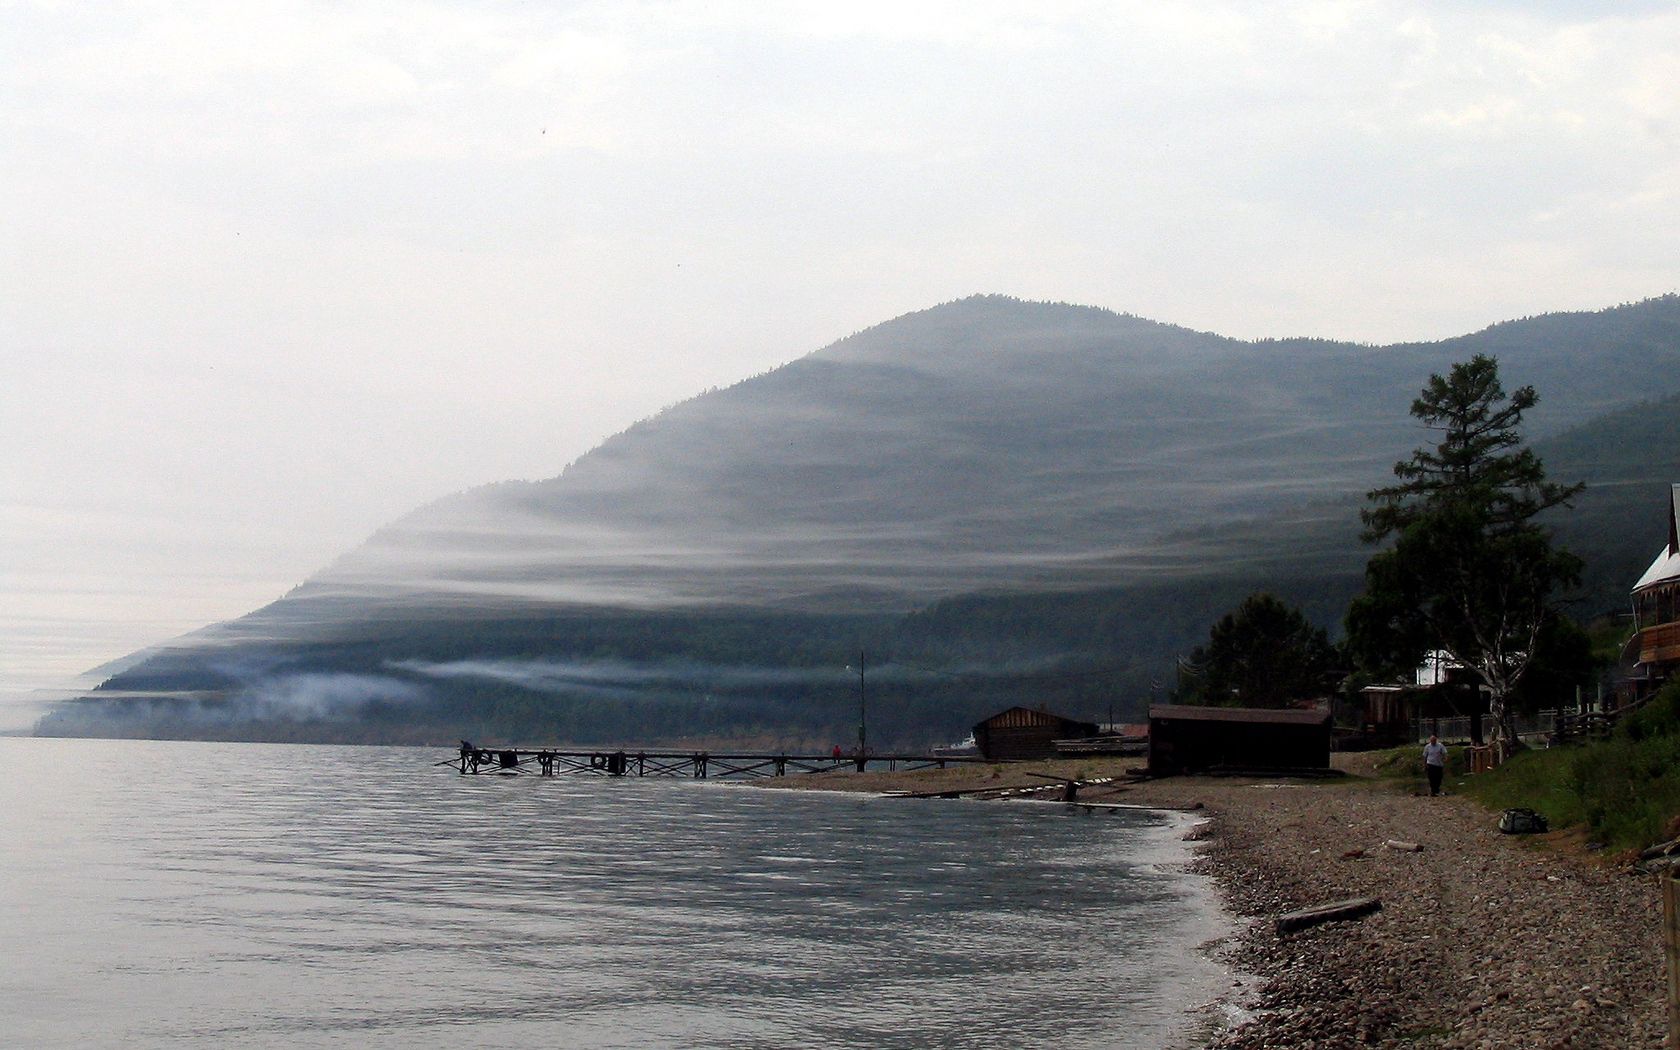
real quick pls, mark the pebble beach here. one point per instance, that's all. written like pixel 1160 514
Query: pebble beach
pixel 1483 940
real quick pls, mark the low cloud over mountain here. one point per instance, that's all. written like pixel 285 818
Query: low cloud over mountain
pixel 983 446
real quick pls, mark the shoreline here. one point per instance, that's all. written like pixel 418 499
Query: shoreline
pixel 1483 940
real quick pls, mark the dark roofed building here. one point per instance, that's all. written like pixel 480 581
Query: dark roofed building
pixel 1186 739
pixel 1022 733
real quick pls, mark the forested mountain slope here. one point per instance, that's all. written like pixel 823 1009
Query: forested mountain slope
pixel 1006 495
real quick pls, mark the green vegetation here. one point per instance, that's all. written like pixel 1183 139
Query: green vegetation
pixel 1263 654
pixel 1473 571
pixel 1470 571
pixel 1630 784
pixel 1404 765
pixel 1607 635
pixel 1534 779
pixel 1625 790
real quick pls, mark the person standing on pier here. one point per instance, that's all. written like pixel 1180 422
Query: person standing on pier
pixel 1435 763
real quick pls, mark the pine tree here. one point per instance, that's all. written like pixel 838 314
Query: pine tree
pixel 1471 571
pixel 1262 654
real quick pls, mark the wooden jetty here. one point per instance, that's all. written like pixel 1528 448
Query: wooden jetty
pixel 473 760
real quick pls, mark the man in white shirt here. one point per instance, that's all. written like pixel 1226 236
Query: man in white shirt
pixel 1435 762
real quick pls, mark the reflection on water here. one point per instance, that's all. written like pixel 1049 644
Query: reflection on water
pixel 172 894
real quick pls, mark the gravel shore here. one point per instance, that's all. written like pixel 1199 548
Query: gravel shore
pixel 1483 940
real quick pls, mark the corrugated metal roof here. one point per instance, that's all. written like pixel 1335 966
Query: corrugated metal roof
pixel 1285 716
pixel 1667 565
pixel 1019 717
pixel 1665 568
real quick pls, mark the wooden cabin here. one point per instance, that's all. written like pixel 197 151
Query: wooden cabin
pixel 1383 717
pixel 1186 739
pixel 1025 733
pixel 1389 714
pixel 1654 650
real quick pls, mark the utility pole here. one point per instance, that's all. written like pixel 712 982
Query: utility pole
pixel 862 709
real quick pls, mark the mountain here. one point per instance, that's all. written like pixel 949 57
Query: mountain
pixel 1013 500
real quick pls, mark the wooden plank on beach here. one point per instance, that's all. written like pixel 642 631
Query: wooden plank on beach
pixel 1353 908
pixel 951 793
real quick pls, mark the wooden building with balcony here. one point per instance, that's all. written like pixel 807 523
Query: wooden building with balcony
pixel 1654 650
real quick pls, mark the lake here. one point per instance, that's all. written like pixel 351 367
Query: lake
pixel 162 894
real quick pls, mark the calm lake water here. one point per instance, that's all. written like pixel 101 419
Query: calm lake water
pixel 235 895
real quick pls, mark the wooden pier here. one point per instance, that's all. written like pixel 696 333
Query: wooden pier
pixel 473 760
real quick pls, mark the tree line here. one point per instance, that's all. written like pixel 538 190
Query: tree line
pixel 1466 567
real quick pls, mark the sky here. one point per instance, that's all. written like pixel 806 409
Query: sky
pixel 273 274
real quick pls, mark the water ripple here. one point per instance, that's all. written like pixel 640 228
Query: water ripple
pixel 249 895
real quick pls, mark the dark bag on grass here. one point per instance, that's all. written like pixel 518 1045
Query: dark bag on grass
pixel 1521 822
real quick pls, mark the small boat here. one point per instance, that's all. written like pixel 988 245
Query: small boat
pixel 963 749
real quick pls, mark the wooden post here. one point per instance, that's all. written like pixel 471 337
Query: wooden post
pixel 1670 879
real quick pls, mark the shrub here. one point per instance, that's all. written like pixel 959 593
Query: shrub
pixel 1629 785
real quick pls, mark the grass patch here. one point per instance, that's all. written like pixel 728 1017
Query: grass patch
pixel 1630 788
pixel 1624 791
pixel 1405 764
pixel 1399 763
pixel 1538 780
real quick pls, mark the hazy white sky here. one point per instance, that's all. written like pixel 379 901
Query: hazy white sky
pixel 272 274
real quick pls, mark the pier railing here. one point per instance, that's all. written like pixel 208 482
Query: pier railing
pixel 474 760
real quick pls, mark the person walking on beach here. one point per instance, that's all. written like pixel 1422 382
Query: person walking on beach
pixel 1435 762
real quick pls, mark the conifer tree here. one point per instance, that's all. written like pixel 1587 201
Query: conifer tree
pixel 1470 571
pixel 1262 654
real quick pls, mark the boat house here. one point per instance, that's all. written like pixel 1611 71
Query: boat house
pixel 1024 733
pixel 1186 739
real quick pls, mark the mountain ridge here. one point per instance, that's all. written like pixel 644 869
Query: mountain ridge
pixel 983 446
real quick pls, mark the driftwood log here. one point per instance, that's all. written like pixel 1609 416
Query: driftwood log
pixel 1354 908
